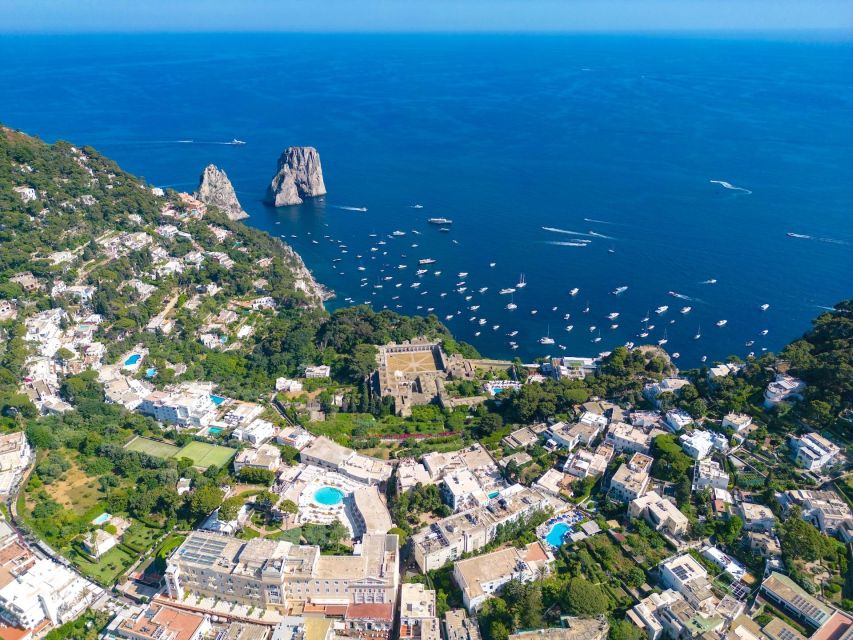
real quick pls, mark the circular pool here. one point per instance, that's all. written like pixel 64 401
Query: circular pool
pixel 328 496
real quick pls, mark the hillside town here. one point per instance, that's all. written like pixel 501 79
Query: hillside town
pixel 192 449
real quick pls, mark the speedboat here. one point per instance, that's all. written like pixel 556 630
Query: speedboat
pixel 449 317
pixel 533 312
pixel 764 332
pixel 686 309
pixel 492 264
pixel 612 316
pixel 662 309
pixel 483 289
pixel 722 323
pixel 619 290
pixel 506 291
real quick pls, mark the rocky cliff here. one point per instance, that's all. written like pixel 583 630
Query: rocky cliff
pixel 214 188
pixel 299 176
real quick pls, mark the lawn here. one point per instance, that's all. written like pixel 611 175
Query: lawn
pixel 153 448
pixel 205 455
pixel 108 568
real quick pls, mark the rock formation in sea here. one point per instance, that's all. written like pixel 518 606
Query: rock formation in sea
pixel 214 188
pixel 299 176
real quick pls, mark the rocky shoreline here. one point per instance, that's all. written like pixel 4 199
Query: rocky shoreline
pixel 317 293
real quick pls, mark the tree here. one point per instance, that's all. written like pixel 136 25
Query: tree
pixel 204 501
pixel 230 508
pixel 621 629
pixel 288 506
pixel 585 598
pixel 401 535
pixel 253 475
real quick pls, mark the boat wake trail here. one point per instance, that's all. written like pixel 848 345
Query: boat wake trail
pixel 597 221
pixel 601 235
pixel 729 185
pixel 567 244
pixel 834 241
pixel 337 206
pixel 566 231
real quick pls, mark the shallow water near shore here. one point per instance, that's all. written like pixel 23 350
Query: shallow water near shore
pixel 591 162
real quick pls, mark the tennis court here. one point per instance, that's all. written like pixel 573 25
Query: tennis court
pixel 153 448
pixel 205 455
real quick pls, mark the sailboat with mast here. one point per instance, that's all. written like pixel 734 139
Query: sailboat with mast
pixel 547 339
pixel 521 282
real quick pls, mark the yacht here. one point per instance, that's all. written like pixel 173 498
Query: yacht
pixel 592 328
pixel 533 312
pixel 506 291
pixel 415 285
pixel 512 334
pixel 476 334
pixel 445 230
pixel 553 308
pixel 449 317
pixel 462 289
pixel 521 282
pixel 663 340
pixel 586 309
pixel 546 340
pixel 676 355
pixel 462 274
pixel 362 268
pixel 650 327
pixel 512 306
pixel 398 233
pixel 598 337
pixel 567 316
pixel 749 343
pixel 644 334
pixel 619 290
pixel 614 326
pixel 612 316
pixel 440 221
pixel 426 261
pixel 662 309
pixel 236 141
pixel 474 307
pixel 574 292
pixel 483 289
pixel 686 310
pixel 764 307
pixel 482 321
pixel 495 327
pixel 402 266
pixel 722 323
pixel 438 273
pixel 421 272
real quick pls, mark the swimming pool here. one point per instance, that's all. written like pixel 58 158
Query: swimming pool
pixel 150 372
pixel 214 430
pixel 132 360
pixel 328 496
pixel 217 400
pixel 101 519
pixel 557 533
pixel 494 494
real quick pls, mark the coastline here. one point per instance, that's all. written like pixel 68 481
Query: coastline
pixel 317 293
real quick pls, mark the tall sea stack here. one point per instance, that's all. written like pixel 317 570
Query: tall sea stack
pixel 214 188
pixel 299 176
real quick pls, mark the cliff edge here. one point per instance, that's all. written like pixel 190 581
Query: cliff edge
pixel 299 176
pixel 214 188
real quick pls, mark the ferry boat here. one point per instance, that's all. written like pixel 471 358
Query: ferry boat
pixel 440 221
pixel 506 291
pixel 426 261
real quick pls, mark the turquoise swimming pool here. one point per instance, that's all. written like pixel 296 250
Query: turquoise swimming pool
pixel 217 400
pixel 557 533
pixel 150 372
pixel 214 430
pixel 494 494
pixel 101 519
pixel 132 360
pixel 328 496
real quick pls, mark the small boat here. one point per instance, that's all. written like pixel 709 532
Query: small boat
pixel 569 327
pixel 661 309
pixel 438 273
pixel 415 285
pixel 698 333
pixel 398 285
pixel 495 327
pixel 513 346
pixel 492 264
pixel 462 274
pixel 398 233
pixel 421 272
pixel 462 289
pixel 521 282
pixel 686 310
pixel 791 234
pixel 567 316
pixel 482 321
pixel 764 332
pixel 467 298
pixel 362 268
pixel 236 141
pixel 704 358
pixel 506 291
pixel 663 340
pixel 562 347
pixel 482 289
pixel 440 221
pixel 592 328
pixel 533 312
pixel 710 281
pixel 612 316
pixel 417 206
pixel 546 340
pixel 629 345
pixel 676 355
pixel 749 343
pixel 722 323
pixel 512 334
pixel 448 317
pixel 644 334
pixel 574 291
pixel 614 326
pixel 586 309
pixel 474 307
pixel 553 308
pixel 619 290
pixel 512 306
pixel 426 261
pixel 764 307
pixel 598 337
pixel 402 266
pixel 476 333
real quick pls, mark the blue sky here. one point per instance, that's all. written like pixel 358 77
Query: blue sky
pixel 422 15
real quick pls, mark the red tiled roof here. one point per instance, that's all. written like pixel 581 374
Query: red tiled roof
pixel 371 611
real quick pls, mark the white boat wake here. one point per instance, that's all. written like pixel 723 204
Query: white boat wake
pixel 601 235
pixel 597 221
pixel 337 206
pixel 729 185
pixel 566 231
pixel 567 244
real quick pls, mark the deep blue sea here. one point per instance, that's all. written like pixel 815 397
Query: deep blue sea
pixel 614 140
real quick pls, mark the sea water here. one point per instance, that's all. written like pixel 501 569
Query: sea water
pixel 656 162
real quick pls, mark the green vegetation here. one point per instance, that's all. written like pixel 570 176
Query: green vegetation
pixel 86 627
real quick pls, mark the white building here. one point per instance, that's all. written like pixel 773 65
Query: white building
pixel 15 456
pixel 256 432
pixel 585 463
pixel 644 614
pixel 631 479
pixel 813 452
pixel 295 437
pixel 708 473
pixel 418 613
pixel 266 456
pixel 46 590
pixel 461 490
pixel 189 406
pixel 684 574
pixel 783 388
pixel 660 513
pixel 668 385
pixel 757 517
pixel 723 560
pixel 676 420
pixel 737 421
pixel 288 385
pixel 319 371
pixel 699 444
pixel 625 437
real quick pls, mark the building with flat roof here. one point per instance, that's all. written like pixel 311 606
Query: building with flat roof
pixel 631 478
pixel 573 629
pixel 778 629
pixel 411 473
pixel 583 463
pixel 266 456
pixel 794 601
pixel 15 456
pixel 458 626
pixel 708 473
pixel 660 513
pixel 268 573
pixel 645 613
pixel 699 444
pixel 468 531
pixel 188 405
pixel 684 574
pixel 736 421
pixel 370 513
pixel 418 613
pixel 782 388
pixel 757 517
pixel 726 562
pixel 825 509
pixel 625 437
pixel 328 454
pixel 461 490
pixel 677 419
pixel 524 437
pixel 814 452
